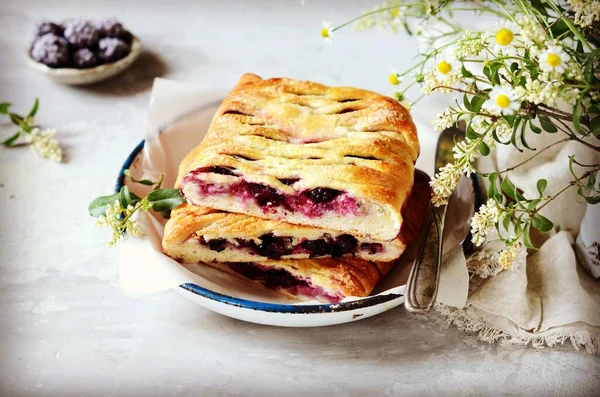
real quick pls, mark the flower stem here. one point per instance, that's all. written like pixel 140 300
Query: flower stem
pixel 534 156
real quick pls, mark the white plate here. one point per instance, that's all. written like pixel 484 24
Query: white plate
pixel 96 74
pixel 166 143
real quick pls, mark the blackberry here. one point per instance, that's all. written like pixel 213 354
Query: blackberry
pixel 111 49
pixel 322 194
pixel 45 27
pixel 81 34
pixel 274 247
pixel 218 244
pixel 343 244
pixel 319 247
pixel 84 58
pixel 51 50
pixel 113 28
pixel 265 195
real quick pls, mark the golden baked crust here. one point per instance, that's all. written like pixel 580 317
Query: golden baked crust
pixel 340 138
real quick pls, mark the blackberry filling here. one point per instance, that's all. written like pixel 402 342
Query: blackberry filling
pixel 311 203
pixel 344 244
pixel 270 278
pixel 217 244
pixel 266 195
pixel 274 247
pixel 280 279
pixel 321 194
pixel 318 247
pixel 216 169
pixel 289 181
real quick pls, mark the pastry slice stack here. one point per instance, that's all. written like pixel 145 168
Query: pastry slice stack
pixel 300 187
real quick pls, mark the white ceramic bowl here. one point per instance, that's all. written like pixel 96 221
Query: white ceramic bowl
pixel 73 76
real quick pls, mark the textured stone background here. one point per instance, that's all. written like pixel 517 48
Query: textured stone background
pixel 65 327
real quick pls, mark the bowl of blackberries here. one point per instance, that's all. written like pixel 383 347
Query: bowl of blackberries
pixel 79 52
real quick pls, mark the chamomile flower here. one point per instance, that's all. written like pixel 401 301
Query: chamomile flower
pixel 502 101
pixel 446 66
pixel 553 59
pixel 504 37
pixel 394 78
pixel 327 31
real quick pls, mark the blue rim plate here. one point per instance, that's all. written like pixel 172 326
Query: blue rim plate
pixel 263 306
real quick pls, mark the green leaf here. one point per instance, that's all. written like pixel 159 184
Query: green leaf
pixel 4 107
pixel 527 238
pixel 595 126
pixel 10 140
pixel 477 102
pixel 484 148
pixel 165 199
pixel 499 198
pixel 514 67
pixel 471 134
pixel 513 137
pixel 506 221
pixel 533 204
pixel 541 186
pixel 542 223
pixel 534 128
pixel 547 124
pixel 467 103
pixel 98 206
pixel 492 190
pixel 146 182
pixel 577 117
pixel 592 199
pixel 559 27
pixel 34 108
pixel 523 140
pixel 508 188
pixel 487 72
pixel 127 198
pixel 16 119
pixel 465 72
pixel 510 119
pixel 166 214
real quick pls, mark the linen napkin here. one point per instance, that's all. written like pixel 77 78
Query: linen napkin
pixel 547 298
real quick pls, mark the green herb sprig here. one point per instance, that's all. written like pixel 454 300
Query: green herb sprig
pixel 41 140
pixel 116 210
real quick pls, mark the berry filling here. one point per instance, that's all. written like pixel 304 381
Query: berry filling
pixel 274 247
pixel 312 203
pixel 280 279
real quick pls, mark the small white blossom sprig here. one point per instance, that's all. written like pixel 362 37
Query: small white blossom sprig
pixel 537 71
pixel 42 141
pixel 116 211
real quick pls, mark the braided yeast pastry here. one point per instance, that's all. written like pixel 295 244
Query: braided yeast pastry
pixel 337 158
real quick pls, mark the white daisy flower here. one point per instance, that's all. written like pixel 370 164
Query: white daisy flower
pixel 503 37
pixel 502 101
pixel 394 78
pixel 446 65
pixel 553 59
pixel 327 31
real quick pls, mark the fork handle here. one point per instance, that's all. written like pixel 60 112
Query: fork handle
pixel 424 277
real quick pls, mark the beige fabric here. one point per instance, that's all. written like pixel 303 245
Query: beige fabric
pixel 547 298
